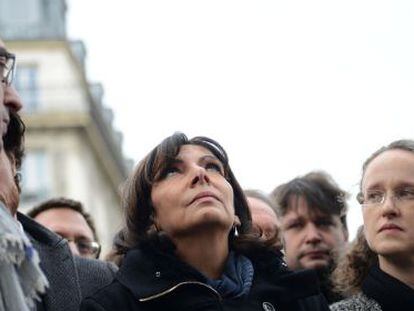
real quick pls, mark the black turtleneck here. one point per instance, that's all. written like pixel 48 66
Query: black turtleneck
pixel 390 293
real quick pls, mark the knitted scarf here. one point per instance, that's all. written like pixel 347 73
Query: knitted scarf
pixel 21 280
pixel 236 279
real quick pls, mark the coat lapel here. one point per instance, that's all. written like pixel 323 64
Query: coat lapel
pixel 58 265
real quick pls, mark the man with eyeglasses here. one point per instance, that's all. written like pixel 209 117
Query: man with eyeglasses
pixel 68 218
pixel 70 277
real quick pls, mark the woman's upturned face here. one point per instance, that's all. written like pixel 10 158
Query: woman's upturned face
pixel 193 195
pixel 389 226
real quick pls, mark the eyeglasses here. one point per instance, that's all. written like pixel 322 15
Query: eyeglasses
pixel 377 197
pixel 87 248
pixel 7 67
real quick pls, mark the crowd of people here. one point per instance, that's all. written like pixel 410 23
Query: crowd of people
pixel 193 239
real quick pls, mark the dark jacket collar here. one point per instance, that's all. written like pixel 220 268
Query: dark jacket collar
pixel 146 272
pixel 37 232
pixel 390 293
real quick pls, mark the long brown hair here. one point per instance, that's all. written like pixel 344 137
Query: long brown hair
pixel 353 266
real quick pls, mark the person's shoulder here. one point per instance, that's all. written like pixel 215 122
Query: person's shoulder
pixel 93 265
pixel 93 274
pixel 270 261
pixel 38 234
pixel 356 303
pixel 113 296
pixel 271 271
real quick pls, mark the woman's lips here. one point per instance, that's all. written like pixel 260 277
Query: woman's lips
pixel 390 227
pixel 205 195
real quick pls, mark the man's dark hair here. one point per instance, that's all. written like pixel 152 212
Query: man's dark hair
pixel 320 192
pixel 64 203
pixel 13 142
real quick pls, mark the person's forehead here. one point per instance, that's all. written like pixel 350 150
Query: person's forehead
pixel 193 151
pixel 2 45
pixel 393 167
pixel 62 218
pixel 258 206
pixel 299 208
pixel 3 49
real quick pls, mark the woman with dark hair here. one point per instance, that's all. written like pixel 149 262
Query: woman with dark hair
pixel 378 269
pixel 187 244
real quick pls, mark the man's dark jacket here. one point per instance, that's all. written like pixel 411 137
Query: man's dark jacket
pixel 150 281
pixel 70 277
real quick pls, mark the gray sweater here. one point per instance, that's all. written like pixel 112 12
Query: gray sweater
pixel 358 302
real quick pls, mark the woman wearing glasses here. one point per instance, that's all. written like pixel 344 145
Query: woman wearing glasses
pixel 378 270
pixel 188 241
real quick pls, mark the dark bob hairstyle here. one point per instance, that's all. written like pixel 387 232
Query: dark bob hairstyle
pixel 138 208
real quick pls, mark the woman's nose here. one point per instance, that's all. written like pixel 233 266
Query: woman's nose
pixel 200 176
pixel 389 206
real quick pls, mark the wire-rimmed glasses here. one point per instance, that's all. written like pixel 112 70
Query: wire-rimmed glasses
pixel 87 248
pixel 7 66
pixel 376 197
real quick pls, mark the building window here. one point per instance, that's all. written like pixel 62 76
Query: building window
pixel 35 176
pixel 27 85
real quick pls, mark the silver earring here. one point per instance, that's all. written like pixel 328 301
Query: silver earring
pixel 236 232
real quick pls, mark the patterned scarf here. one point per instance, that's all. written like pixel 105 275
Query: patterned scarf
pixel 21 279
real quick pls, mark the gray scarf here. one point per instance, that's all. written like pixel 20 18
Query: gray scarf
pixel 21 280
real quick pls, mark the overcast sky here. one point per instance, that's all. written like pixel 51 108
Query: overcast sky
pixel 285 86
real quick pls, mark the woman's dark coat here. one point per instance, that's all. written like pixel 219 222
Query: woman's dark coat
pixel 149 281
pixel 380 292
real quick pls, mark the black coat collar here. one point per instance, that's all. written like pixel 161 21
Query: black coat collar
pixel 390 293
pixel 146 272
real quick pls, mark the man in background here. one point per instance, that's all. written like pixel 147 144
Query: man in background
pixel 68 218
pixel 313 210
pixel 70 277
pixel 264 218
pixel 22 280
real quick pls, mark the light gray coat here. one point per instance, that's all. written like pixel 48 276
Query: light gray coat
pixel 358 302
